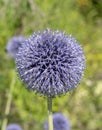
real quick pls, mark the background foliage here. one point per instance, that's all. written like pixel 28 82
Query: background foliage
pixel 82 19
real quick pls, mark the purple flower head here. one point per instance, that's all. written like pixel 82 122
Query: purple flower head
pixel 60 122
pixel 13 45
pixel 13 127
pixel 50 63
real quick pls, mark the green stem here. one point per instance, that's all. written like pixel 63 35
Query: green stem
pixel 9 99
pixel 50 117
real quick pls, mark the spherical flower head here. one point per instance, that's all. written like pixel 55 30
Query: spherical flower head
pixel 13 45
pixel 60 122
pixel 13 127
pixel 50 63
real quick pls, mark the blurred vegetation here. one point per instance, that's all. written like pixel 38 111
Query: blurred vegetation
pixel 82 19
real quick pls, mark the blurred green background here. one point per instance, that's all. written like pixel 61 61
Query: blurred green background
pixel 82 19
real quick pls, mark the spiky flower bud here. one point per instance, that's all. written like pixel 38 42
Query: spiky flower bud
pixel 60 122
pixel 13 45
pixel 13 127
pixel 50 63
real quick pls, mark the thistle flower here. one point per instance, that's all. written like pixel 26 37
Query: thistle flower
pixel 13 45
pixel 13 127
pixel 50 63
pixel 60 122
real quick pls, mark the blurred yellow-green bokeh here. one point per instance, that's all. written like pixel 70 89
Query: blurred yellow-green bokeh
pixel 82 19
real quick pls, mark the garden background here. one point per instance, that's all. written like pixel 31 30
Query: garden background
pixel 82 19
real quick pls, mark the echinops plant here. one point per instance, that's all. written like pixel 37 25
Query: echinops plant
pixel 50 63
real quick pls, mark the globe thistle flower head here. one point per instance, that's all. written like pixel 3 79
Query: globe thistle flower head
pixel 50 63
pixel 13 45
pixel 13 127
pixel 60 122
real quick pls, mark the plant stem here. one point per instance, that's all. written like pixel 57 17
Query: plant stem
pixel 9 99
pixel 50 117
